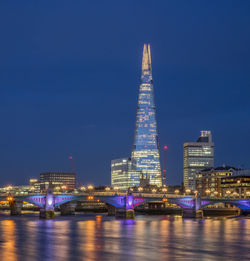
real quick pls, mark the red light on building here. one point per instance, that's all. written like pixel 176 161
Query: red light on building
pixel 165 147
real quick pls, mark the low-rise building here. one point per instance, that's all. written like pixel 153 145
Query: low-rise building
pixel 208 181
pixel 34 185
pixel 60 180
pixel 236 186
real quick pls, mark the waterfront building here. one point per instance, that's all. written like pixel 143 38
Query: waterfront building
pixel 124 174
pixel 62 180
pixel 236 186
pixel 197 156
pixel 208 181
pixel 145 151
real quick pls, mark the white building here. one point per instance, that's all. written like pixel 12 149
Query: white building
pixel 124 174
pixel 197 156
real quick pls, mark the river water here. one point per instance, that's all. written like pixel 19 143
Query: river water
pixel 99 237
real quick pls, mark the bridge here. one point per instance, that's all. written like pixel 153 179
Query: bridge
pixel 119 203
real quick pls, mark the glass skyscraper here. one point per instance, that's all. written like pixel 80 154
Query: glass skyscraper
pixel 124 174
pixel 198 156
pixel 146 146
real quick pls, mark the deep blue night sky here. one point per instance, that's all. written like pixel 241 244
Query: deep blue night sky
pixel 70 72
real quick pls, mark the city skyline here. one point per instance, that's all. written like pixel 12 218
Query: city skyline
pixel 75 93
pixel 101 106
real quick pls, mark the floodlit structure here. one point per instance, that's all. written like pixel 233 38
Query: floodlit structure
pixel 198 155
pixel 66 180
pixel 124 174
pixel 145 151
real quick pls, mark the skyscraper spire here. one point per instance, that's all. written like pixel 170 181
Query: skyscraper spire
pixel 146 59
pixel 146 148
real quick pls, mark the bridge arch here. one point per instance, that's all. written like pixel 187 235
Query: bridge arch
pixel 242 204
pixel 183 203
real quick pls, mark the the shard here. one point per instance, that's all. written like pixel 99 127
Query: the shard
pixel 146 146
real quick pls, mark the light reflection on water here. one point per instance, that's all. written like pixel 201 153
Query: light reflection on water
pixel 90 237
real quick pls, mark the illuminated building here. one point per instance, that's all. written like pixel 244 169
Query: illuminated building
pixel 58 179
pixel 146 147
pixel 236 186
pixel 197 156
pixel 35 185
pixel 208 181
pixel 123 174
pixel 18 190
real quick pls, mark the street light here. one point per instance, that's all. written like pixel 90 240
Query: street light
pixel 107 188
pixel 207 191
pixel 10 198
pixel 82 188
pixel 90 187
pixel 153 190
pixel 228 192
pixel 177 191
pixel 116 188
pixel 235 194
pixel 140 189
pixel 188 191
pixel 164 189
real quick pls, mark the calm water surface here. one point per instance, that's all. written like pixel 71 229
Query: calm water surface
pixel 98 237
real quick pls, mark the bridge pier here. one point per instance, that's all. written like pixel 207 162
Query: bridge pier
pixel 245 212
pixel 195 211
pixel 125 213
pixel 16 208
pixel 68 208
pixel 111 210
pixel 46 214
pixel 191 213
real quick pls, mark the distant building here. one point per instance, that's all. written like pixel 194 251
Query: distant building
pixel 34 185
pixel 197 156
pixel 209 181
pixel 236 186
pixel 18 190
pixel 58 179
pixel 124 174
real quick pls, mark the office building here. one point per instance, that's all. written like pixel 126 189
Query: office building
pixel 124 174
pixel 34 185
pixel 145 151
pixel 65 180
pixel 197 156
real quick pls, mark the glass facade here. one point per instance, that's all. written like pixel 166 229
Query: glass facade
pixel 124 174
pixel 58 179
pixel 146 147
pixel 197 156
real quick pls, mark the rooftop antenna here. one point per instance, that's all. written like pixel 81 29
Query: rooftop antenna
pixel 164 165
pixel 72 164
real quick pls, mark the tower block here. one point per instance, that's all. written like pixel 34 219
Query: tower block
pixel 146 145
